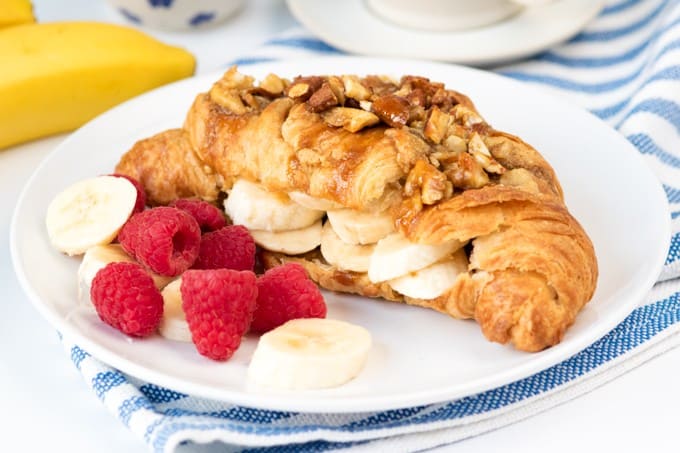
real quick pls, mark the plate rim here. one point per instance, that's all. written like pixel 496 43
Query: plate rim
pixel 342 405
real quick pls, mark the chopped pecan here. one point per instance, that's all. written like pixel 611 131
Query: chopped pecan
pixel 455 143
pixel 393 110
pixel 417 97
pixel 354 88
pixel 322 99
pixel 227 91
pixel 465 116
pixel 466 173
pixel 272 84
pixel 232 79
pixel 437 125
pixel 303 87
pixel 299 90
pixel 228 99
pixel 477 148
pixel 425 179
pixel 338 88
pixel 351 119
pixel 379 85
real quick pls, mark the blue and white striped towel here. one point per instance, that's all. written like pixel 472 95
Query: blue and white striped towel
pixel 624 67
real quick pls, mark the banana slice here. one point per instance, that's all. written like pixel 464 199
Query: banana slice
pixel 395 256
pixel 99 256
pixel 291 242
pixel 89 213
pixel 310 202
pixel 310 353
pixel 349 257
pixel 357 227
pixel 434 280
pixel 173 324
pixel 249 204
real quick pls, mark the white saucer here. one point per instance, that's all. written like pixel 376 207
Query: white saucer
pixel 350 26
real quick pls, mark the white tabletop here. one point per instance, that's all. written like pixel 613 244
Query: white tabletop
pixel 54 410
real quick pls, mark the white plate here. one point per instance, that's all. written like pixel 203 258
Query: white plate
pixel 419 356
pixel 351 26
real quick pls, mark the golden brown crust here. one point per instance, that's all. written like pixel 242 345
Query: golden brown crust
pixel 168 168
pixel 412 148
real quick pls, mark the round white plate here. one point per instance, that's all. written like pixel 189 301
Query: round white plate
pixel 419 356
pixel 351 26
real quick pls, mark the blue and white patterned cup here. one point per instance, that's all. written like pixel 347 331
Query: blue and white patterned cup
pixel 176 14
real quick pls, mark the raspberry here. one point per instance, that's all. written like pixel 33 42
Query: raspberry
pixel 219 305
pixel 208 216
pixel 165 240
pixel 141 195
pixel 285 293
pixel 126 298
pixel 231 247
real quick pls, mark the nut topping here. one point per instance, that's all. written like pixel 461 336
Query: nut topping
pixel 480 152
pixel 352 120
pixel 299 90
pixel 322 99
pixel 273 84
pixel 437 125
pixel 392 109
pixel 354 88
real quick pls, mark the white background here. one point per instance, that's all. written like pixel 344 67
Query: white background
pixel 46 406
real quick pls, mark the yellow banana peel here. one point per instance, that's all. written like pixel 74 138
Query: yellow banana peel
pixel 15 12
pixel 57 76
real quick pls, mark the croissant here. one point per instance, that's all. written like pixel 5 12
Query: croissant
pixel 412 152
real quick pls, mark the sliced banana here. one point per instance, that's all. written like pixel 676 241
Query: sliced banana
pixel 251 205
pixel 310 353
pixel 395 256
pixel 173 324
pixel 345 256
pixel 291 242
pixel 99 256
pixel 310 202
pixel 434 280
pixel 89 212
pixel 357 227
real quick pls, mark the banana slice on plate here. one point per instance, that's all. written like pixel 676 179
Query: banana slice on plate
pixel 310 202
pixel 291 242
pixel 99 256
pixel 434 280
pixel 310 353
pixel 251 205
pixel 395 256
pixel 173 324
pixel 349 257
pixel 357 227
pixel 89 212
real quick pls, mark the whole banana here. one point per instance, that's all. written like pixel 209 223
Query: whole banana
pixel 15 12
pixel 57 76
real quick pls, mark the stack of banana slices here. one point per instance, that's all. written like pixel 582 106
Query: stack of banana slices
pixel 349 240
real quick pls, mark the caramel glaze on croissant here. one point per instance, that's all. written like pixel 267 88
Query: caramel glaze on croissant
pixel 412 148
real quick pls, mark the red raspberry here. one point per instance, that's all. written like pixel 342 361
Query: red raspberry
pixel 126 298
pixel 141 195
pixel 165 240
pixel 231 247
pixel 208 216
pixel 219 305
pixel 285 293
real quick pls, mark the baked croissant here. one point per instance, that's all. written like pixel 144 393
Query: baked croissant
pixel 426 203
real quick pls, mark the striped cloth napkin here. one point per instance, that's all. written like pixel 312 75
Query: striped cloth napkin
pixel 625 68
